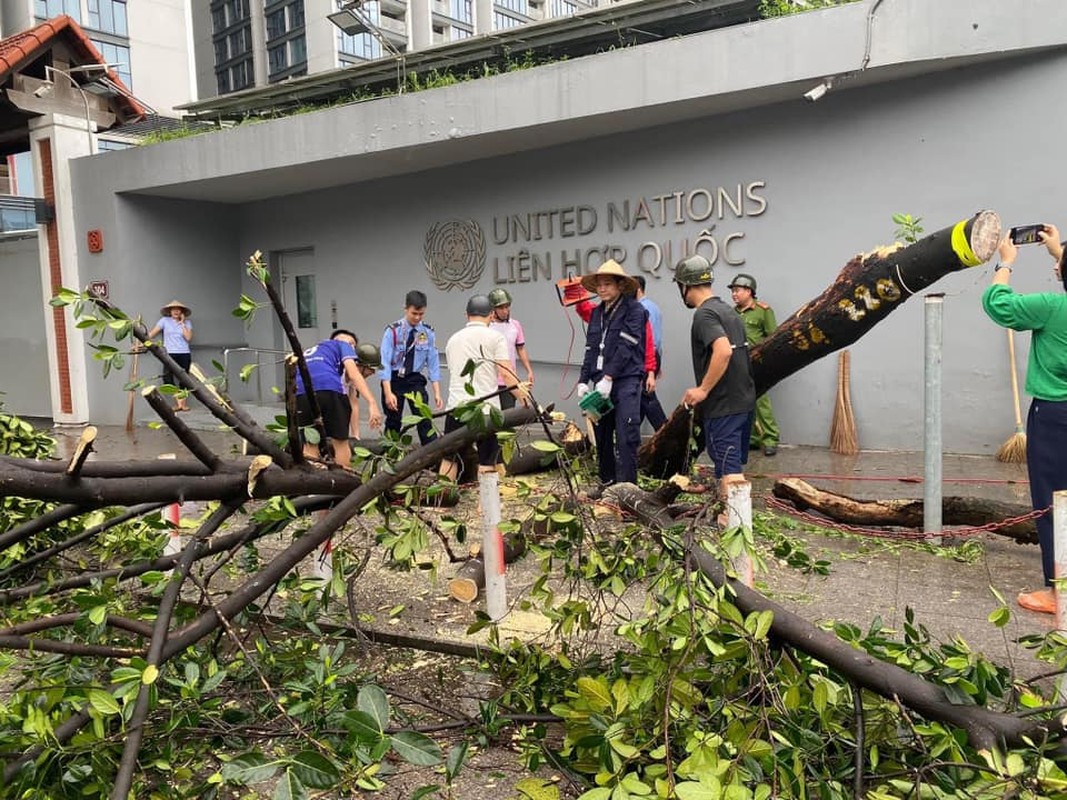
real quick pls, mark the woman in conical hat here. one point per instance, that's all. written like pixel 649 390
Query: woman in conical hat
pixel 177 333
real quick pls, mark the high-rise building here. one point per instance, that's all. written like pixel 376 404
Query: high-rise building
pixel 242 44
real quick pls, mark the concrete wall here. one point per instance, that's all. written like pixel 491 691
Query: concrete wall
pixel 159 50
pixel 23 349
pixel 157 250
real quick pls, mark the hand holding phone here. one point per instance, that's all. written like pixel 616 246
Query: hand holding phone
pixel 1026 234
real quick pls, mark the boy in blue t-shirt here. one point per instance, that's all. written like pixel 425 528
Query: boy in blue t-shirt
pixel 330 362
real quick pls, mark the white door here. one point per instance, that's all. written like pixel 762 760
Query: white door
pixel 300 295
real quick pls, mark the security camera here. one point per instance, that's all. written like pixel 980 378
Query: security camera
pixel 816 93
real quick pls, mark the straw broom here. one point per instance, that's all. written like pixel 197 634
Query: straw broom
pixel 843 438
pixel 1013 451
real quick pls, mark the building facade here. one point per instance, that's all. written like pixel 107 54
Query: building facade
pixel 703 142
pixel 243 44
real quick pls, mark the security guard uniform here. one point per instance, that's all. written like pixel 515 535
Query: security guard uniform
pixel 759 323
pixel 408 353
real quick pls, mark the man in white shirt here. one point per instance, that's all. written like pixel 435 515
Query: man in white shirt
pixel 487 349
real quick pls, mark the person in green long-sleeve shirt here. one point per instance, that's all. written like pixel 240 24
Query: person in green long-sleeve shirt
pixel 1044 314
pixel 759 324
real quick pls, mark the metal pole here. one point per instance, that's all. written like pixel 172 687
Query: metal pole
pixel 933 311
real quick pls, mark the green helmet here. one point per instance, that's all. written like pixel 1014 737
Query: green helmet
pixel 744 281
pixel 500 297
pixel 369 355
pixel 693 271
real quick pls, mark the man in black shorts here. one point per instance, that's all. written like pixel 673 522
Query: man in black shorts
pixel 725 391
pixel 330 363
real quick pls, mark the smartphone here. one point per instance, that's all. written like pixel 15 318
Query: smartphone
pixel 1026 234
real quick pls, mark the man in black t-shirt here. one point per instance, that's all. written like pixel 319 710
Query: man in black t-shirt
pixel 725 391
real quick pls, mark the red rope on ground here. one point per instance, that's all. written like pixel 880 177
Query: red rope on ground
pixel 881 533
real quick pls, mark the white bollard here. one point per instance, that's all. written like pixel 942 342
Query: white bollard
pixel 173 515
pixel 1059 550
pixel 496 596
pixel 739 515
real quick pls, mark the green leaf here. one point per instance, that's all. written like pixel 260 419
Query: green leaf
pixel 599 793
pixel 315 770
pixel 363 727
pixel 595 692
pixel 691 790
pixel 544 447
pixel 248 769
pixel 416 748
pixel 103 702
pixel 97 614
pixel 151 672
pixel 537 789
pixel 289 788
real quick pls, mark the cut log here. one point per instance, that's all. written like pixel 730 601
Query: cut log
pixel 470 577
pixel 866 291
pixel 906 513
pixel 530 459
pixel 670 450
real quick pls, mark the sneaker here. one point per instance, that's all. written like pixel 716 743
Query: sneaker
pixel 770 450
pixel 1043 601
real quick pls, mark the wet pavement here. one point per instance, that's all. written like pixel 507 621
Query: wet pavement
pixel 869 576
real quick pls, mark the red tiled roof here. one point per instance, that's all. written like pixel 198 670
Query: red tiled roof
pixel 24 47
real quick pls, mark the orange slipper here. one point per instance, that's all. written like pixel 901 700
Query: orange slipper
pixel 1042 601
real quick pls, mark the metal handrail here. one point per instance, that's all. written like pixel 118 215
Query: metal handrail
pixel 259 351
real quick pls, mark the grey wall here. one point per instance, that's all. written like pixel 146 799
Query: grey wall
pixel 23 349
pixel 156 250
pixel 835 171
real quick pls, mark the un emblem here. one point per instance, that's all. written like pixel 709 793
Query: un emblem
pixel 455 253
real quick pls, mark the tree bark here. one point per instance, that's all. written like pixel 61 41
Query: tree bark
pixel 866 291
pixel 907 513
pixel 986 729
pixel 470 577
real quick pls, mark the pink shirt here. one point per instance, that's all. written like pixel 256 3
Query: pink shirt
pixel 513 335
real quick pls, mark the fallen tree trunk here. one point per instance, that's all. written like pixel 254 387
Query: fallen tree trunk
pixel 866 291
pixel 907 513
pixel 986 729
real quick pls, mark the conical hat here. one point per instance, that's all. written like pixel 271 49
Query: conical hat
pixel 613 269
pixel 165 311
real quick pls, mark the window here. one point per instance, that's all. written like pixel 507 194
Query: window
pixel 218 19
pixel 461 10
pixel 563 8
pixel 521 6
pixel 296 15
pixel 46 9
pixel 307 315
pixel 240 42
pixel 221 53
pixel 108 16
pixel 118 56
pixel 276 24
pixel 277 59
pixel 111 144
pixel 298 50
pixel 502 22
pixel 455 33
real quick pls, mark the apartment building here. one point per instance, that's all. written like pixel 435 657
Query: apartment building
pixel 242 44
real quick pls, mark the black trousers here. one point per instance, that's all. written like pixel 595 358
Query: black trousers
pixel 402 386
pixel 1046 463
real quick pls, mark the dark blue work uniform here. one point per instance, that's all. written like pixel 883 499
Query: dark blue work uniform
pixel 615 346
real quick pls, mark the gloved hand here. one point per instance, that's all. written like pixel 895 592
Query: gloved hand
pixel 604 386
pixel 574 291
pixel 583 390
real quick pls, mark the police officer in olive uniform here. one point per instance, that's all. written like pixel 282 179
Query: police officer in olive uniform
pixel 409 347
pixel 759 323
